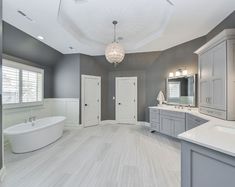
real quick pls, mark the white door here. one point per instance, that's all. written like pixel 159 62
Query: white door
pixel 126 99
pixel 91 100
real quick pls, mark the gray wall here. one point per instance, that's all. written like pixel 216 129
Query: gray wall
pixel 89 66
pixel 227 23
pixel 67 77
pixel 141 84
pixel 23 48
pixel 19 44
pixel 1 151
pixel 170 60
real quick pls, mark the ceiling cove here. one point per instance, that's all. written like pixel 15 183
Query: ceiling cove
pixel 85 26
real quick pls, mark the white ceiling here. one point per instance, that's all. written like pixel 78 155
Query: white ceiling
pixel 145 25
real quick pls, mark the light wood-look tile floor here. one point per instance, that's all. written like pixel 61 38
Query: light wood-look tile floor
pixel 100 156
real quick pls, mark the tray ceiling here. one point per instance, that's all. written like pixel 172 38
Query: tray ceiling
pixel 86 25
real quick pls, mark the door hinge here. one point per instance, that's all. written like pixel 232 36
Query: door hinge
pixel 134 117
pixel 98 83
pixel 98 117
pixel 134 83
pixel 134 100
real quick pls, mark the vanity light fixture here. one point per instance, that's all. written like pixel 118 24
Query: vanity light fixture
pixel 171 74
pixel 178 73
pixel 185 72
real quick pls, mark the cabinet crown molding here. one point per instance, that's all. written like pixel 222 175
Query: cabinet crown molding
pixel 222 36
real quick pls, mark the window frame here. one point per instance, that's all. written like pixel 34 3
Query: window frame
pixel 21 67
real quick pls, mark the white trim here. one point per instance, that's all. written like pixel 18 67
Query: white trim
pixel 222 36
pixel 108 122
pixel 75 127
pixel 62 99
pixel 143 123
pixel 83 96
pixel 2 173
pixel 136 96
pixel 21 67
pixel 18 65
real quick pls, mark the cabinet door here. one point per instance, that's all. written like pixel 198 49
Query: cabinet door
pixel 218 82
pixel 206 64
pixel 166 126
pixel 205 74
pixel 179 126
pixel 205 93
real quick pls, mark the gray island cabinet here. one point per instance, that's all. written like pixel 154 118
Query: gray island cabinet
pixel 203 167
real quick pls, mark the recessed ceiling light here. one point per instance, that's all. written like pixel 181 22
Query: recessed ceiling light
pixel 40 37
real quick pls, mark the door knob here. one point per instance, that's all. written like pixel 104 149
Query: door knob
pixel 119 103
pixel 85 104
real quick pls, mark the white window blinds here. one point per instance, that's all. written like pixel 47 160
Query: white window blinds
pixel 22 84
pixel 10 85
pixel 31 86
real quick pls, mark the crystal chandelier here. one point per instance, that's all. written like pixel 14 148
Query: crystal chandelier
pixel 114 52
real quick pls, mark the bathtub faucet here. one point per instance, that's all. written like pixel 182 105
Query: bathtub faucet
pixel 32 119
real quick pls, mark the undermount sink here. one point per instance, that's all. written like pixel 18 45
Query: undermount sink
pixel 225 129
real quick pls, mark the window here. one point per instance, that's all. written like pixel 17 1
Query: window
pixel 174 90
pixel 22 84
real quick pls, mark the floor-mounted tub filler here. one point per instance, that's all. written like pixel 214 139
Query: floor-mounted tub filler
pixel 30 136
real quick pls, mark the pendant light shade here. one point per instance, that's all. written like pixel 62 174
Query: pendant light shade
pixel 114 52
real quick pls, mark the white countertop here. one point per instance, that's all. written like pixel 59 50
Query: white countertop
pixel 216 134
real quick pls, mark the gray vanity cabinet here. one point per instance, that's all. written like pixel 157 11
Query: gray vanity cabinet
pixel 171 123
pixel 154 116
pixel 179 126
pixel 203 167
pixel 172 126
pixel 166 126
pixel 193 121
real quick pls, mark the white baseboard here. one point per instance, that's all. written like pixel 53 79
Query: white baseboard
pixel 2 173
pixel 111 122
pixel 107 122
pixel 72 126
pixel 143 123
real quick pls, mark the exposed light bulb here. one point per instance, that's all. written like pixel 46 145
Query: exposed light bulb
pixel 171 74
pixel 178 73
pixel 185 72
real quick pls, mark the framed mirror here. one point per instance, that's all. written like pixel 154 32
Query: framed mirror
pixel 182 90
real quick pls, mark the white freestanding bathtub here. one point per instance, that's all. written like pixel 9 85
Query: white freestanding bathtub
pixel 27 137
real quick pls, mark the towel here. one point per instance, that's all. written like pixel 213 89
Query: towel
pixel 160 98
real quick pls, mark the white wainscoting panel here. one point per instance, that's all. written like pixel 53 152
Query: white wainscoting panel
pixel 51 107
pixel 68 108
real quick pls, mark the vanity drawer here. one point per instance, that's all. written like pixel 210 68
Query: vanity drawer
pixel 154 115
pixel 213 112
pixel 155 126
pixel 173 114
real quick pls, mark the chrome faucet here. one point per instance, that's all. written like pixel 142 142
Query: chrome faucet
pixel 32 120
